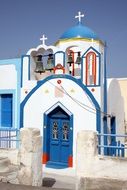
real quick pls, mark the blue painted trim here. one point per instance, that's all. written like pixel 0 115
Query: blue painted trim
pixel 40 83
pixel 111 135
pixel 105 101
pixel 93 86
pixel 22 64
pixel 56 165
pixel 64 56
pixel 29 67
pixel 8 129
pixel 45 121
pixel 11 61
pixel 113 129
pixel 71 131
pixel 21 83
pixel 100 69
pixel 56 105
pixel 82 70
pixel 90 48
pixel 13 92
pixel 18 95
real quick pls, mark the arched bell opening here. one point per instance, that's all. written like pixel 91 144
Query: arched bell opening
pixel 73 61
pixel 42 63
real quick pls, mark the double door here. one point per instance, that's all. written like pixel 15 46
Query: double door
pixel 59 141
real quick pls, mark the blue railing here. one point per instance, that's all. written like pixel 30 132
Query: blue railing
pixel 112 148
pixel 9 138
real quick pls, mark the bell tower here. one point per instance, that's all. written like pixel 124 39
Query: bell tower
pixel 85 59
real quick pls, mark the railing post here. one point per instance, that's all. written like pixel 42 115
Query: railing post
pixel 122 150
pixel 115 148
pixel 119 148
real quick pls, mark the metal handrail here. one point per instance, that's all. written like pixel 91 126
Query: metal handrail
pixel 111 135
pixel 6 139
pixel 109 146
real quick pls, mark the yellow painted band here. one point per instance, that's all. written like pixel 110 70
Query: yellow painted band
pixel 78 39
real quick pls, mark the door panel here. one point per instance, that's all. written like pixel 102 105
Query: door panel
pixel 65 140
pixel 54 140
pixel 59 140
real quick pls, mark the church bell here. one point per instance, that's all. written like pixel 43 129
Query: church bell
pixel 79 59
pixel 39 65
pixel 70 59
pixel 50 63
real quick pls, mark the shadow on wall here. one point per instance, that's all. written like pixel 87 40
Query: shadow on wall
pixel 115 103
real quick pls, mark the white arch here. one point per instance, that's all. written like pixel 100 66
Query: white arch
pixel 61 106
pixel 44 47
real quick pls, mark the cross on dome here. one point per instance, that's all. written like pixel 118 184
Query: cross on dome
pixel 79 16
pixel 43 39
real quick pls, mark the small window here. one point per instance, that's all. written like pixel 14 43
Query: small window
pixel 65 131
pixel 55 130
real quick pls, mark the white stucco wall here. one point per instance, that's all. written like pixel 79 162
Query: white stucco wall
pixel 8 77
pixel 116 104
pixel 44 98
pixel 123 88
pixel 90 164
pixel 33 52
pixel 83 44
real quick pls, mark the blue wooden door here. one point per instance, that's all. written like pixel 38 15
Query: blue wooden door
pixel 59 141
pixel 6 110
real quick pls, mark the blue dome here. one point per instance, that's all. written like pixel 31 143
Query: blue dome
pixel 79 31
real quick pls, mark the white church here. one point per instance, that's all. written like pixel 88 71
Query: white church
pixel 63 89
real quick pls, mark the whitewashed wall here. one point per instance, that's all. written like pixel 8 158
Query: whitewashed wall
pixel 91 165
pixel 83 46
pixel 123 88
pixel 44 98
pixel 116 104
pixel 8 77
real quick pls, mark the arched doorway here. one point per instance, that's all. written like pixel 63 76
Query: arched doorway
pixel 58 139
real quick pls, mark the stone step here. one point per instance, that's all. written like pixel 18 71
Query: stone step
pixel 8 172
pixel 4 163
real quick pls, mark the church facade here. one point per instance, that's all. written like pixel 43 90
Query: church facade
pixel 60 89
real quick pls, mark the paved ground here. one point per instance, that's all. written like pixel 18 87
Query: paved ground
pixel 7 186
pixel 59 181
pixel 60 184
pixel 50 182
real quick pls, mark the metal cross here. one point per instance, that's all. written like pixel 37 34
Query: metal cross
pixel 43 39
pixel 79 16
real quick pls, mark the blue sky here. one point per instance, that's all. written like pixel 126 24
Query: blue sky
pixel 22 22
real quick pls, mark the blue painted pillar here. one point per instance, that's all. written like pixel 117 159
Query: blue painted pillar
pixel 105 101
